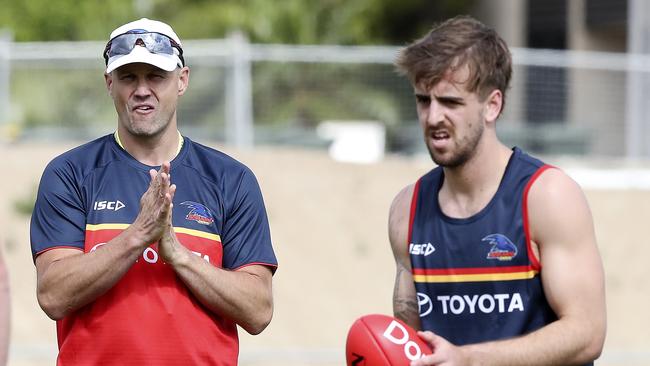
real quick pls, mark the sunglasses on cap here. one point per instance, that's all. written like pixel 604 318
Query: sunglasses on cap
pixel 156 43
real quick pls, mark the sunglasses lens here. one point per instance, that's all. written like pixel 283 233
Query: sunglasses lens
pixel 160 46
pixel 154 42
pixel 121 45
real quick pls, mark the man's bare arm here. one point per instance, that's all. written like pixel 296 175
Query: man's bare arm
pixel 405 305
pixel 244 296
pixel 5 306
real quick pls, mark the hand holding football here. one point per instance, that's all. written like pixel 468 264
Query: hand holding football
pixel 381 340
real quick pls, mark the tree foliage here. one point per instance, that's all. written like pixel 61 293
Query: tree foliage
pixel 293 95
pixel 49 20
pixel 286 21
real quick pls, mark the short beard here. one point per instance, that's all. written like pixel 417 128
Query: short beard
pixel 467 149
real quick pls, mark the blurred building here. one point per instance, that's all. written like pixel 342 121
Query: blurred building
pixel 571 102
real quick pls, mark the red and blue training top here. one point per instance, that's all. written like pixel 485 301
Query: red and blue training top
pixel 90 194
pixel 477 278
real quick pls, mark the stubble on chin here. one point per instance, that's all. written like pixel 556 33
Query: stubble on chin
pixel 145 128
pixel 460 153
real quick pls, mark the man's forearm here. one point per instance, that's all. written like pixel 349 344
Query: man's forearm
pixel 71 282
pixel 405 305
pixel 243 296
pixel 564 342
pixel 5 306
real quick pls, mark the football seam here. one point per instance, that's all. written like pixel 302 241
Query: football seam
pixel 377 343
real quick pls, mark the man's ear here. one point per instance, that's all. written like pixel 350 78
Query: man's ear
pixel 183 80
pixel 109 83
pixel 493 105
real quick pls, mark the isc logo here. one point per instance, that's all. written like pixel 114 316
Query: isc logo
pixel 421 249
pixel 411 349
pixel 108 205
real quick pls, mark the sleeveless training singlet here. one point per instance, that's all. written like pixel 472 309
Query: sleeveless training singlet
pixel 476 278
pixel 90 194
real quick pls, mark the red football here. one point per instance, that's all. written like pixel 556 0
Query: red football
pixel 381 340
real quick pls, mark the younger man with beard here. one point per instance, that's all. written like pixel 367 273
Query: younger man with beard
pixel 496 253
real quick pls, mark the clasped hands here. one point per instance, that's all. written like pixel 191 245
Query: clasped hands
pixel 154 221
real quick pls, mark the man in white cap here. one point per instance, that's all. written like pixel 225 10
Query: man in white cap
pixel 138 267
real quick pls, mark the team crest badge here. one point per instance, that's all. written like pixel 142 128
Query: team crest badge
pixel 198 213
pixel 502 248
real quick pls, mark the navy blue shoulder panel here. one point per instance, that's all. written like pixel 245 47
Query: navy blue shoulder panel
pixel 61 195
pixel 244 222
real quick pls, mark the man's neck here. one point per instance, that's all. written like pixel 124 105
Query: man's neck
pixel 467 189
pixel 151 150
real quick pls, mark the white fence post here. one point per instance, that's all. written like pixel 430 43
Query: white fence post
pixel 239 100
pixel 637 122
pixel 5 70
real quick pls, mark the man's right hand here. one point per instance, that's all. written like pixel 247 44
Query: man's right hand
pixel 155 207
pixel 444 353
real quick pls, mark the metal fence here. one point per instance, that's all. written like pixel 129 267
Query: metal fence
pixel 561 102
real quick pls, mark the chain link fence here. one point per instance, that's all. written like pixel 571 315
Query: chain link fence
pixel 561 102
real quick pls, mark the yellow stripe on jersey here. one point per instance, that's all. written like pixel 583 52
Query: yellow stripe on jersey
pixel 90 227
pixel 180 230
pixel 481 277
pixel 201 234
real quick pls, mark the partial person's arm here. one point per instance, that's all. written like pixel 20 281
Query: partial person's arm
pixel 405 305
pixel 244 296
pixel 5 306
pixel 561 226
pixel 68 279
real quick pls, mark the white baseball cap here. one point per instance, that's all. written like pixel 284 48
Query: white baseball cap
pixel 146 41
